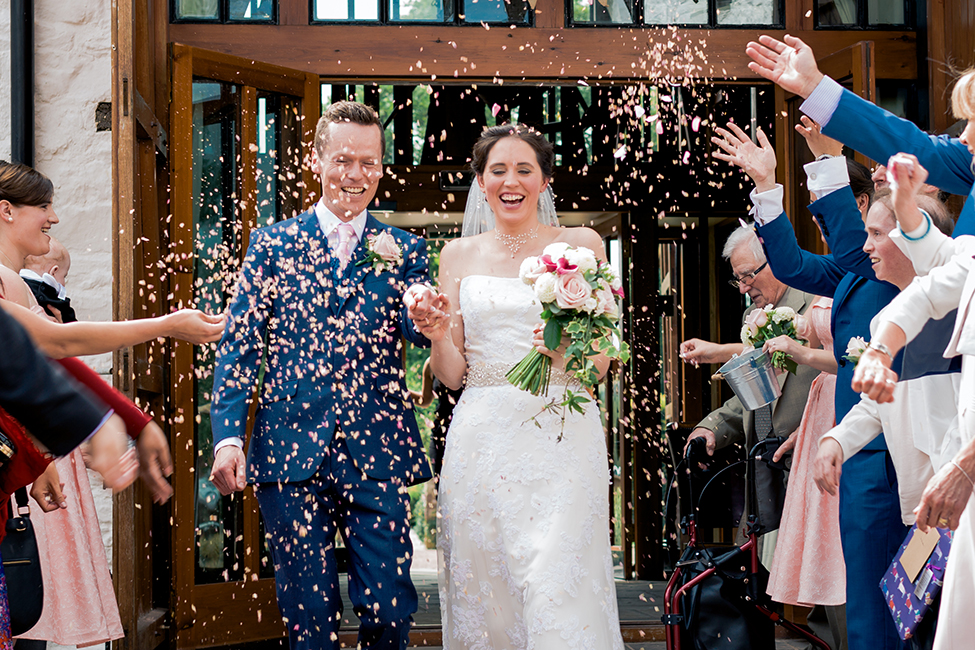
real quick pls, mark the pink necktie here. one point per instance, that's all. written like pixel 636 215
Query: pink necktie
pixel 343 250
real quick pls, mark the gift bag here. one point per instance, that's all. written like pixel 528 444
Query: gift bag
pixel 913 580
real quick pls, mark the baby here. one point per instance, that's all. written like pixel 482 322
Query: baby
pixel 46 276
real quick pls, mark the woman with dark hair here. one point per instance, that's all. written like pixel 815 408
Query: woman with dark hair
pixel 70 539
pixel 524 519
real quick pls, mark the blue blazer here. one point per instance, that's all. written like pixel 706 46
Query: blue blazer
pixel 323 350
pixel 871 130
pixel 855 300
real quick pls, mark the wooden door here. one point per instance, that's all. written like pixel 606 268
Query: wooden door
pixel 854 67
pixel 240 132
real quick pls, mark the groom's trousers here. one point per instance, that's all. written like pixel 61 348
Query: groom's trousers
pixel 302 519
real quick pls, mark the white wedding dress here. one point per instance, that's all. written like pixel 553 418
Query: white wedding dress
pixel 525 560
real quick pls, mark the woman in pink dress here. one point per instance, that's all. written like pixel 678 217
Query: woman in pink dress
pixel 808 567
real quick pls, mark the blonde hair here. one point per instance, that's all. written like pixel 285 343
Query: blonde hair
pixel 963 96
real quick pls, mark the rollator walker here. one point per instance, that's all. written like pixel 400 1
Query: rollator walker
pixel 716 596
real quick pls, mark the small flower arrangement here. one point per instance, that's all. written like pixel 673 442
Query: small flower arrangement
pixel 764 324
pixel 579 296
pixel 855 349
pixel 383 252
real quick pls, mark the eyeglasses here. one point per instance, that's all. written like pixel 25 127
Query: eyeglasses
pixel 747 278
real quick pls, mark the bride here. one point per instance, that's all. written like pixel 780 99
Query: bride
pixel 524 519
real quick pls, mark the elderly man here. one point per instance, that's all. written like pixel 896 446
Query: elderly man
pixel 731 423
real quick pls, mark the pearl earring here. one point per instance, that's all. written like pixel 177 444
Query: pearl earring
pixel 10 219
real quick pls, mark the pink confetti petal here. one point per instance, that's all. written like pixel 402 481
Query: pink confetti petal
pixel 495 110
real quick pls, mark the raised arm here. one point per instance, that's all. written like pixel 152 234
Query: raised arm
pixel 790 264
pixel 857 123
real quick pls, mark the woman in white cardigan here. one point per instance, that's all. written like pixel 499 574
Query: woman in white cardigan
pixel 946 501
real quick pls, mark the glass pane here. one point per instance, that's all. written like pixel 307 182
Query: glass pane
pixel 197 9
pixel 837 12
pixel 278 158
pixel 885 12
pixel 346 10
pixel 434 11
pixel 516 12
pixel 602 12
pixel 216 241
pixel 675 12
pixel 748 12
pixel 251 10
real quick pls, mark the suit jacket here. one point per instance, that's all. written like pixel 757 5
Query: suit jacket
pixel 855 299
pixel 879 134
pixel 57 410
pixel 732 423
pixel 332 356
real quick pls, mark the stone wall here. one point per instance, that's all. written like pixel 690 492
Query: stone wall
pixel 72 74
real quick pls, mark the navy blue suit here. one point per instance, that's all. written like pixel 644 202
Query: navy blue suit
pixel 870 523
pixel 869 129
pixel 334 441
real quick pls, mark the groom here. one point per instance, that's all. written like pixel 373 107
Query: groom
pixel 321 300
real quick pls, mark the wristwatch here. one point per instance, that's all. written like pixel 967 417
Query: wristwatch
pixel 881 348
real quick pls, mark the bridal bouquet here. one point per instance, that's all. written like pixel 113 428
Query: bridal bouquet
pixel 764 324
pixel 579 297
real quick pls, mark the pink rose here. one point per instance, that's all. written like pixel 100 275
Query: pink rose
pixel 572 291
pixel 606 303
pixel 757 319
pixel 385 246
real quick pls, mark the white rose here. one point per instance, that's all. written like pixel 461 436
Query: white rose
pixel 614 280
pixel 783 314
pixel 590 305
pixel 556 250
pixel 531 269
pixel 856 347
pixel 545 287
pixel 583 258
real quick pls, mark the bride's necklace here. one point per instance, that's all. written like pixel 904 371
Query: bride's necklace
pixel 515 242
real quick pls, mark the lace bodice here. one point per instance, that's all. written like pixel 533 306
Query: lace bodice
pixel 499 317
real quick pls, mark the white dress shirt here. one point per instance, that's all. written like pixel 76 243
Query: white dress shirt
pixel 822 177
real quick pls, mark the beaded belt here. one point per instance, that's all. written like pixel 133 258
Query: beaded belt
pixel 493 374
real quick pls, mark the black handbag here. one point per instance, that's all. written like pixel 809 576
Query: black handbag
pixel 22 568
pixel 719 612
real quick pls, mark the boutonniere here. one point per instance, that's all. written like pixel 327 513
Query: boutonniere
pixel 383 252
pixel 855 349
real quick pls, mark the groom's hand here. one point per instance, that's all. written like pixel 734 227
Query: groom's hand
pixel 428 311
pixel 228 470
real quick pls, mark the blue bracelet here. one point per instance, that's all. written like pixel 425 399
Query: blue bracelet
pixel 926 216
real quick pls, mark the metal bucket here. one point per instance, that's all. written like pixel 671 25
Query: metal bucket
pixel 752 378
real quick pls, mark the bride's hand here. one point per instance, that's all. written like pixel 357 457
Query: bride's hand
pixel 785 344
pixel 538 340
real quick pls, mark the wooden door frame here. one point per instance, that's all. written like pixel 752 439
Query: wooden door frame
pixel 201 615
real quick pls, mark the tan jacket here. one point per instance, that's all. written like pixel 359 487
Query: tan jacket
pixel 732 423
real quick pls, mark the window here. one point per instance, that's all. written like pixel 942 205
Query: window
pixel 704 13
pixel 507 12
pixel 224 11
pixel 862 13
